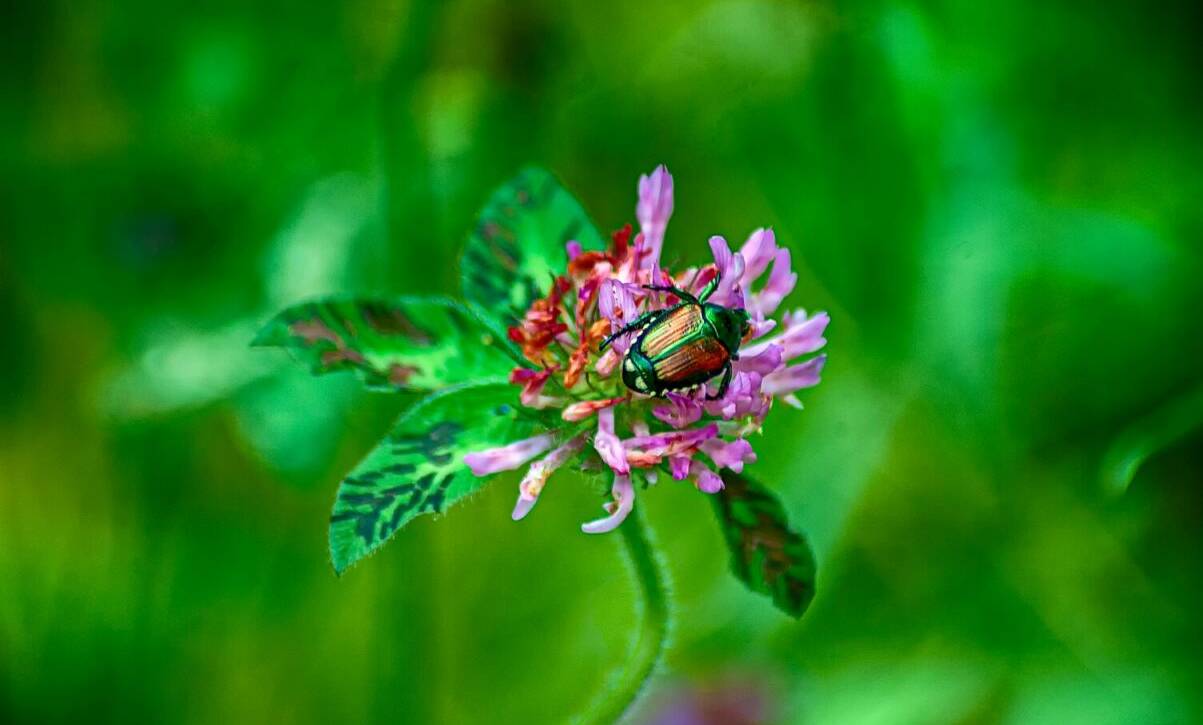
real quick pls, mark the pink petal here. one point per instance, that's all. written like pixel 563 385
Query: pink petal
pixel 536 477
pixel 681 410
pixel 705 479
pixel 616 302
pixel 764 361
pixel 757 252
pixel 673 442
pixel 795 377
pixel 607 444
pixel 624 501
pixel 629 270
pixel 744 398
pixel 608 362
pixel 585 408
pixel 802 335
pixel 573 247
pixel 588 289
pixel 640 428
pixel 542 402
pixel 653 210
pixel 532 382
pixel 730 270
pixel 781 283
pixel 525 375
pixel 731 455
pixel 508 457
pixel 522 507
pixel 762 327
pixel 678 466
pixel 701 279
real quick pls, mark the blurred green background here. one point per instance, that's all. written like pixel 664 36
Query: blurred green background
pixel 999 205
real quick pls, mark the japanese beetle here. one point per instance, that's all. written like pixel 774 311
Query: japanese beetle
pixel 684 345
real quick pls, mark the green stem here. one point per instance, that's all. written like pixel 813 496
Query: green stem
pixel 610 705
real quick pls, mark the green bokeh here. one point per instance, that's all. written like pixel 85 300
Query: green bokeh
pixel 997 203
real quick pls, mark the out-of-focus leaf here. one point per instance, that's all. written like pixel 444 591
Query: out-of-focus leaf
pixel 1149 435
pixel 517 246
pixel 326 243
pixel 766 554
pixel 184 367
pixel 299 446
pixel 419 467
pixel 394 344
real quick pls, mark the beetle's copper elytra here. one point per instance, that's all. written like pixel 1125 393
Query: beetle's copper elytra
pixel 682 346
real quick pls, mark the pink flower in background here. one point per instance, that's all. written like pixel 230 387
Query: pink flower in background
pixel 686 435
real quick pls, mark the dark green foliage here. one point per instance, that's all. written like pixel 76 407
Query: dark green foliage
pixel 517 245
pixel 766 554
pixel 403 343
pixel 418 468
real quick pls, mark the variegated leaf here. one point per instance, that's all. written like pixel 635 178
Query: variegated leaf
pixel 418 468
pixel 766 555
pixel 517 246
pixel 402 343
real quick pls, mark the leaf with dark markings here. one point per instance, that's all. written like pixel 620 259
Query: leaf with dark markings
pixel 766 555
pixel 518 245
pixel 418 468
pixel 401 343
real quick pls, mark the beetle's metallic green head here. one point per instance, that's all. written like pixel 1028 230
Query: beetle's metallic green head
pixel 730 325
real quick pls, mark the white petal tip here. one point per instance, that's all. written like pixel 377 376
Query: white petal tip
pixel 522 508
pixel 598 527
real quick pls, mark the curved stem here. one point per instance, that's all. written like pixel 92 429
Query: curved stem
pixel 611 704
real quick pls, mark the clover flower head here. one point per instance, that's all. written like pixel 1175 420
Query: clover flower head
pixel 686 434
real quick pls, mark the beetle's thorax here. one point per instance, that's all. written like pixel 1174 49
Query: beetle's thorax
pixel 728 324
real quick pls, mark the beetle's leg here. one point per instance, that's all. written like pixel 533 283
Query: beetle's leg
pixel 722 387
pixel 639 321
pixel 673 290
pixel 709 289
